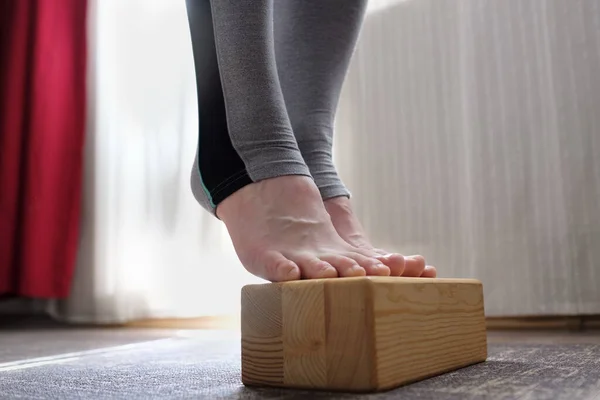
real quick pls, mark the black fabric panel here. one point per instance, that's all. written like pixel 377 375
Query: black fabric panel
pixel 222 170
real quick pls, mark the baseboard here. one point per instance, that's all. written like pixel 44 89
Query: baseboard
pixel 208 322
pixel 592 322
pixel 571 323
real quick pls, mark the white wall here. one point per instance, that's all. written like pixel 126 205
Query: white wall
pixel 469 131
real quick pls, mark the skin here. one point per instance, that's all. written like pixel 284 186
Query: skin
pixel 350 229
pixel 282 230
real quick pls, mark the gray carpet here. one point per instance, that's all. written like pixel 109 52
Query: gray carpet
pixel 18 345
pixel 207 366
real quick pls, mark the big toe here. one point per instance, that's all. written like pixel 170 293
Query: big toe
pixel 277 268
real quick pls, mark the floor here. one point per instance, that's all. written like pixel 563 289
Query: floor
pixel 47 361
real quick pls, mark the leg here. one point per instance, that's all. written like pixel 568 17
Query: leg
pixel 249 170
pixel 241 140
pixel 314 41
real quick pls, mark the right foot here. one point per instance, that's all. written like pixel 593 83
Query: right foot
pixel 281 231
pixel 350 229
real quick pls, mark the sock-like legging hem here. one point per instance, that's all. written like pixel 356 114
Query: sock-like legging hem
pixel 274 169
pixel 334 191
pixel 210 199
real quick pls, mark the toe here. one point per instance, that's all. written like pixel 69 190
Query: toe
pixel 429 272
pixel 395 263
pixel 414 266
pixel 371 265
pixel 313 268
pixel 345 266
pixel 277 268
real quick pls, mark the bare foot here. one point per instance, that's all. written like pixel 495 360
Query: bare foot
pixel 281 231
pixel 349 228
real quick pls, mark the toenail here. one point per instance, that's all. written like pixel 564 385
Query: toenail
pixel 291 273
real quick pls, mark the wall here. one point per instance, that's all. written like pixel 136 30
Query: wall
pixel 469 131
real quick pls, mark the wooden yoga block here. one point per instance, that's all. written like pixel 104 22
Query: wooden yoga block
pixel 360 334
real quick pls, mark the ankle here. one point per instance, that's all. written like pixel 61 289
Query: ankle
pixel 271 193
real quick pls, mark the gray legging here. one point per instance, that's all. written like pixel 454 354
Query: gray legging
pixel 269 74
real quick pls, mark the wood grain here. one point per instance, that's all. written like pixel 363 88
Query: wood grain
pixel 360 334
pixel 427 327
pixel 350 340
pixel 262 341
pixel 304 338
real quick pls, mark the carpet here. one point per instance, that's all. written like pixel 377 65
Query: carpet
pixel 207 366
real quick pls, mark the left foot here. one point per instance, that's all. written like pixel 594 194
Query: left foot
pixel 349 228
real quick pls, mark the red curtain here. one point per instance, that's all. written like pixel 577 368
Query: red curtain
pixel 42 123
